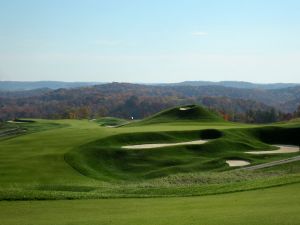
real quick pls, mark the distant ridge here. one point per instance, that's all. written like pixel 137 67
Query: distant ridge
pixel 126 100
pixel 235 84
pixel 31 85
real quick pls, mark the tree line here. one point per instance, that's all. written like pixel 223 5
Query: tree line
pixel 129 100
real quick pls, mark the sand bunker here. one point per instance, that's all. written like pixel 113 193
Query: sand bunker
pixel 282 149
pixel 235 163
pixel 184 108
pixel 146 146
pixel 11 121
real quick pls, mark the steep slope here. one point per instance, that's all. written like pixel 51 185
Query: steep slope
pixel 192 113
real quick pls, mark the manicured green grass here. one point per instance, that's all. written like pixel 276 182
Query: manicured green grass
pixel 38 157
pixel 21 127
pixel 78 159
pixel 273 206
pixel 186 113
pixel 104 159
pixel 33 165
pixel 83 162
pixel 110 121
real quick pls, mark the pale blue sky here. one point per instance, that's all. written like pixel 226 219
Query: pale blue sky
pixel 150 41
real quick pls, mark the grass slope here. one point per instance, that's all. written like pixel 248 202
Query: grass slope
pixel 104 159
pixel 111 121
pixel 274 206
pixel 75 159
pixel 192 113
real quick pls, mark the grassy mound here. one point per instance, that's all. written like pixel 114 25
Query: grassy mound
pixel 104 159
pixel 94 151
pixel 193 113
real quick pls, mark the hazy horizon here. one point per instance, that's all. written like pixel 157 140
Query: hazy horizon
pixel 100 82
pixel 150 41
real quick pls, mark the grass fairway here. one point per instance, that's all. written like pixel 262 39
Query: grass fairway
pixel 273 206
pixel 81 167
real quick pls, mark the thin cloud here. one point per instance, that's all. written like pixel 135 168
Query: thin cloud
pixel 199 33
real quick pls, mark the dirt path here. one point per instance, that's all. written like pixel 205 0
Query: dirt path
pixel 274 163
pixel 148 146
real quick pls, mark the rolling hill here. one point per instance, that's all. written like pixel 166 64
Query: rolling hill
pixel 187 113
pixel 236 84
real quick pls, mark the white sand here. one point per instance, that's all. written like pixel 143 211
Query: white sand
pixel 184 108
pixel 146 146
pixel 235 163
pixel 282 149
pixel 11 121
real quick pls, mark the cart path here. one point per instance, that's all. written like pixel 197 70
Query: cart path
pixel 274 163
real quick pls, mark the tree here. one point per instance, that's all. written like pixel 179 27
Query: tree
pixel 297 112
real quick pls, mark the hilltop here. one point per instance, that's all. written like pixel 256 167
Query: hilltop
pixel 192 113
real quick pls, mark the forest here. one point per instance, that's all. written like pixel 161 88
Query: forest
pixel 127 100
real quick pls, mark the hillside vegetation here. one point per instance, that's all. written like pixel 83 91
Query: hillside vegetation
pixel 125 101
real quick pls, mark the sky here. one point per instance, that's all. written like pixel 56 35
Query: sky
pixel 150 41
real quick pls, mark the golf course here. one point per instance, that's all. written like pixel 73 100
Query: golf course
pixel 184 165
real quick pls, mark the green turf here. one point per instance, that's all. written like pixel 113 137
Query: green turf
pixel 273 206
pixel 105 160
pixel 83 159
pixel 110 121
pixel 79 159
pixel 190 113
